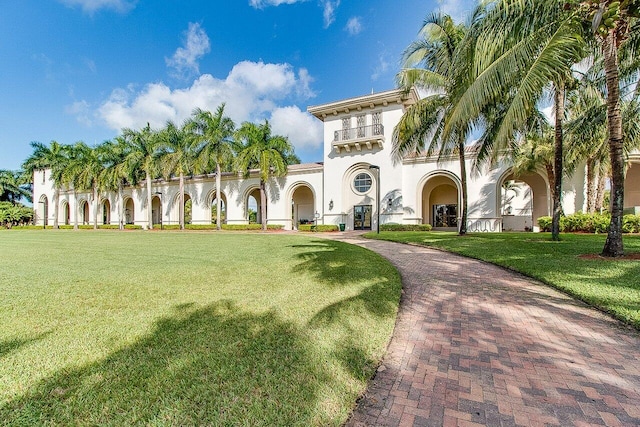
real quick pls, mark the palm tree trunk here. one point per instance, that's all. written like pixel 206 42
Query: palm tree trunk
pixel 591 184
pixel 149 213
pixel 557 184
pixel 263 205
pixel 600 191
pixel 218 201
pixel 613 246
pixel 181 208
pixel 463 182
pixel 551 177
pixel 56 200
pixel 75 209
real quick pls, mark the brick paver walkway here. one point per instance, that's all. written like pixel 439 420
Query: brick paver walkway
pixel 475 344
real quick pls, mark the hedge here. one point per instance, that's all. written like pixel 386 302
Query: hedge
pixel 250 227
pixel 405 227
pixel 590 223
pixel 322 228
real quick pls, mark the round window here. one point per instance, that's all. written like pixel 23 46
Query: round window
pixel 362 183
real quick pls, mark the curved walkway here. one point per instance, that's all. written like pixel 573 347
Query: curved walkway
pixel 475 344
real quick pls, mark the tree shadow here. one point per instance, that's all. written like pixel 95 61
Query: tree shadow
pixel 7 346
pixel 214 365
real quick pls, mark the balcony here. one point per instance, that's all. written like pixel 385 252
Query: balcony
pixel 358 138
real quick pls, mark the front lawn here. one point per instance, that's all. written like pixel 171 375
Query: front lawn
pixel 126 328
pixel 612 285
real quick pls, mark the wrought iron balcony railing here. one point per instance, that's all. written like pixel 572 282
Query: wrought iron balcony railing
pixel 358 133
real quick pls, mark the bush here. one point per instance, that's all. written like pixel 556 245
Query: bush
pixel 250 227
pixel 322 228
pixel 544 222
pixel 405 227
pixel 631 223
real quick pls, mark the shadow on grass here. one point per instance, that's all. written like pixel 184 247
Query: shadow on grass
pixel 215 365
pixel 8 346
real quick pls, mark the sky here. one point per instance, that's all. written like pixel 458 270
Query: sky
pixel 81 70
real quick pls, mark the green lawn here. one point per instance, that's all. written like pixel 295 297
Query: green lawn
pixel 153 328
pixel 613 286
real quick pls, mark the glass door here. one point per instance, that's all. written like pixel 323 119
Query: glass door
pixel 362 217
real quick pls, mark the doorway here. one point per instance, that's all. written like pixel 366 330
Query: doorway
pixel 362 217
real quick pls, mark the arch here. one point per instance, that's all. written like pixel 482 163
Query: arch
pixel 211 199
pixel 129 211
pixel 66 213
pixel 302 199
pixel 156 210
pixel 440 196
pixel 43 210
pixel 188 204
pixel 521 200
pixel 105 211
pixel 632 186
pixel 252 208
pixel 85 212
pixel 359 202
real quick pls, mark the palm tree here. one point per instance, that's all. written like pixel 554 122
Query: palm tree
pixel 524 44
pixel 50 157
pixel 115 175
pixel 142 157
pixel 212 136
pixel 12 186
pixel 73 173
pixel 87 169
pixel 258 149
pixel 438 50
pixel 176 156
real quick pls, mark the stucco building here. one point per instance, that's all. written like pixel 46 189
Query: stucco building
pixel 357 182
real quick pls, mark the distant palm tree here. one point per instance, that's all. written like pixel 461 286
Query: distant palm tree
pixel 72 174
pixel 115 173
pixel 12 186
pixel 50 157
pixel 142 157
pixel 212 135
pixel 176 156
pixel 258 149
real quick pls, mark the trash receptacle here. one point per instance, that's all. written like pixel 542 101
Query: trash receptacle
pixel 342 226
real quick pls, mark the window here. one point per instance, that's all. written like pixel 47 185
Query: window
pixel 362 183
pixel 361 121
pixel 376 121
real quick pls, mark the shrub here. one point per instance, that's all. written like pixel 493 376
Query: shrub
pixel 250 227
pixel 544 222
pixel 405 227
pixel 322 228
pixel 631 223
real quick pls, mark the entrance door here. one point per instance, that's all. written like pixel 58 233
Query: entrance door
pixel 445 215
pixel 362 217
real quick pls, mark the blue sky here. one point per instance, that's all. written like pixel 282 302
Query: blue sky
pixel 75 70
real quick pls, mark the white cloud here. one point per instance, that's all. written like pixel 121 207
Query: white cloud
pixel 329 11
pixel 252 91
pixel 185 59
pixel 91 6
pixel 457 9
pixel 259 4
pixel 81 110
pixel 354 26
pixel 302 129
pixel 381 67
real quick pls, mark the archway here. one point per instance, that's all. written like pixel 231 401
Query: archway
pixel 253 208
pixel 156 210
pixel 86 215
pixel 522 200
pixel 440 202
pixel 66 213
pixel 302 206
pixel 106 212
pixel 223 209
pixel 188 206
pixel 43 210
pixel 129 217
pixel 632 187
pixel 175 214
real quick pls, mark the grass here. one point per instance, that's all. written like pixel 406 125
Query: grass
pixel 139 328
pixel 610 285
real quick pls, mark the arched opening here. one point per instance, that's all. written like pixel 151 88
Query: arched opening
pixel 175 210
pixel 156 210
pixel 440 199
pixel 632 188
pixel 106 212
pixel 66 213
pixel 253 210
pixel 223 209
pixel 129 217
pixel 522 200
pixel 43 210
pixel 302 206
pixel 188 205
pixel 86 215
